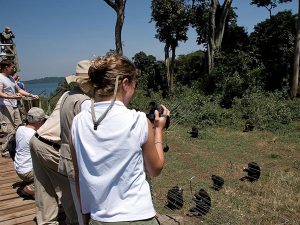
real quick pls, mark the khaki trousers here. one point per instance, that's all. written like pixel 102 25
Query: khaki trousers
pixel 51 187
pixel 28 177
pixel 152 221
pixel 10 119
pixel 65 166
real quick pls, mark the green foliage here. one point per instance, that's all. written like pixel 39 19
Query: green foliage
pixel 141 100
pixel 152 73
pixel 273 41
pixel 200 14
pixel 294 106
pixel 264 110
pixel 54 96
pixel 171 20
pixel 235 38
pixel 269 4
pixel 234 73
pixel 190 67
pixel 199 20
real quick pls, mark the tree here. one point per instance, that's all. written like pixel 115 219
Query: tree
pixel 190 67
pixel 273 41
pixel 119 7
pixel 209 19
pixel 171 21
pixel 235 38
pixel 149 80
pixel 268 4
pixel 295 78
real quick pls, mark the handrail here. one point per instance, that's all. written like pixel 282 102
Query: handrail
pixel 9 51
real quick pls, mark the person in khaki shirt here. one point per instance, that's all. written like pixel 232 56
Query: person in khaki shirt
pixel 51 156
pixel 51 187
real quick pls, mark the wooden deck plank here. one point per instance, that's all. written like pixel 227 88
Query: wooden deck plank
pixel 13 209
pixel 17 214
pixel 6 191
pixel 13 203
pixel 18 220
pixel 16 209
pixel 8 196
pixel 8 180
pixel 27 223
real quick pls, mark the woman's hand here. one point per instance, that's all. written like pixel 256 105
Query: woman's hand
pixel 160 121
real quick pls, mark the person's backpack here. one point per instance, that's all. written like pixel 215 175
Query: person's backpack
pixel 11 147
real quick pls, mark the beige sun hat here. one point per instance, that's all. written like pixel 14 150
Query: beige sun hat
pixel 35 115
pixel 81 74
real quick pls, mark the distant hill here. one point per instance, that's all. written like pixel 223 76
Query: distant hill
pixel 45 80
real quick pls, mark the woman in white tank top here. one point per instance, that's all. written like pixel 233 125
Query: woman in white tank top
pixel 113 147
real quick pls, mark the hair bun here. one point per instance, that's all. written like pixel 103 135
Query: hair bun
pixel 99 63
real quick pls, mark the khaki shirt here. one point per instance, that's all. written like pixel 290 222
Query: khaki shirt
pixel 51 128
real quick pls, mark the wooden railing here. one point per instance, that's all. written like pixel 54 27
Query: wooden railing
pixel 9 51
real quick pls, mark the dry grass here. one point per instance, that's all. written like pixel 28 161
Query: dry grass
pixel 273 199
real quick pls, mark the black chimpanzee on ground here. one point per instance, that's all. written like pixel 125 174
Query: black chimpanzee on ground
pixel 203 204
pixel 218 182
pixel 194 132
pixel 175 198
pixel 253 172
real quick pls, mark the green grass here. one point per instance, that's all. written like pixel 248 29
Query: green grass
pixel 273 199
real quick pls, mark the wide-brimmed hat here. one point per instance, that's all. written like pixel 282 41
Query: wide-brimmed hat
pixel 81 74
pixel 35 115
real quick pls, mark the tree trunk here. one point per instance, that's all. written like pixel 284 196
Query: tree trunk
pixel 167 63
pixel 118 30
pixel 211 35
pixel 119 7
pixel 172 66
pixel 295 79
pixel 216 30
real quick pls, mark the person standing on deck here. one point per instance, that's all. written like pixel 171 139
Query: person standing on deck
pixel 10 92
pixel 114 147
pixel 20 103
pixel 71 105
pixel 7 38
pixel 51 157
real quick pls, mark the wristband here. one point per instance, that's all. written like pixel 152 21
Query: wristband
pixel 157 142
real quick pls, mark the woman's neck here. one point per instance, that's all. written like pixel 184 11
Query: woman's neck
pixel 108 98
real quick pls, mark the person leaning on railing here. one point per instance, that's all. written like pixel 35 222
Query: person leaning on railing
pixel 10 117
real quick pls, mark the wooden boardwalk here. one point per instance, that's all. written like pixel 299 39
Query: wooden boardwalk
pixel 13 209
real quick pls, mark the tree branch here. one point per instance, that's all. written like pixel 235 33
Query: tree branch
pixel 112 4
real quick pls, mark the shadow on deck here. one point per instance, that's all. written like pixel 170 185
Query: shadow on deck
pixel 13 209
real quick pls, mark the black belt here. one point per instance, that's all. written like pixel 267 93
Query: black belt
pixel 55 145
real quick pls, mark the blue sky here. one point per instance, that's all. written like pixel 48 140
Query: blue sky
pixel 52 35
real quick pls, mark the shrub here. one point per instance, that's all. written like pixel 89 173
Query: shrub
pixel 264 110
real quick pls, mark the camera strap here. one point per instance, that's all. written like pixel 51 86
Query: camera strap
pixel 98 121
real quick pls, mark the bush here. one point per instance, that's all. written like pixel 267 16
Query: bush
pixel 264 110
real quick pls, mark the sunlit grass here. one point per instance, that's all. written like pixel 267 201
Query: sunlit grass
pixel 273 199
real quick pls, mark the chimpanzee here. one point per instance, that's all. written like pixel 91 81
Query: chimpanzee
pixel 253 172
pixel 203 204
pixel 194 132
pixel 218 182
pixel 175 198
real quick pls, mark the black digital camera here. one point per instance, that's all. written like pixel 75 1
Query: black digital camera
pixel 151 116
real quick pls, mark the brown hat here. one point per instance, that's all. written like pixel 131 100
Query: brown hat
pixel 82 70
